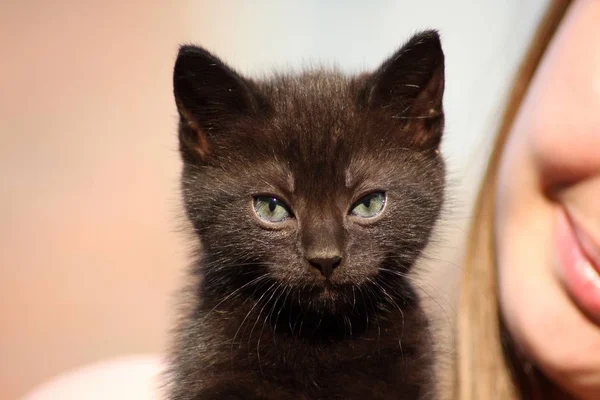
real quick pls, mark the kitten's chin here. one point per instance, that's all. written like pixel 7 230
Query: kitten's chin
pixel 326 311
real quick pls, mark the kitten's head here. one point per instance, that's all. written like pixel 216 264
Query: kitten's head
pixel 319 182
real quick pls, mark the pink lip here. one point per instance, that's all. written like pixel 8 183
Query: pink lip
pixel 580 271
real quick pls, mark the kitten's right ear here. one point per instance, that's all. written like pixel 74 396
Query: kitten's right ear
pixel 209 95
pixel 409 86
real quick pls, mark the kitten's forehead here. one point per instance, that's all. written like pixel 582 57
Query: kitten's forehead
pixel 320 132
pixel 310 89
pixel 316 105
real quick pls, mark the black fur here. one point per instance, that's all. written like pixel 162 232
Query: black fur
pixel 263 323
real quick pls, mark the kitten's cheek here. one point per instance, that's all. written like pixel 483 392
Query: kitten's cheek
pixel 288 270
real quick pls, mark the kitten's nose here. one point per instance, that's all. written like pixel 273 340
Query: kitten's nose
pixel 325 264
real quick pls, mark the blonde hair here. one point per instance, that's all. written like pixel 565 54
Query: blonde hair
pixel 485 367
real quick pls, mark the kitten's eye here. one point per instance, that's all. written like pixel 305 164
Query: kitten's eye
pixel 271 209
pixel 369 206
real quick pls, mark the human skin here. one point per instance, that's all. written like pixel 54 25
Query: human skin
pixel 547 221
pixel 131 377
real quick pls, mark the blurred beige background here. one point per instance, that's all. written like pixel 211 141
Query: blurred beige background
pixel 90 252
pixel 88 171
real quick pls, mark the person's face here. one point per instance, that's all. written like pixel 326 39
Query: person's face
pixel 547 221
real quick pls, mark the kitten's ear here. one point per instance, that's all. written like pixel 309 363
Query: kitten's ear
pixel 410 85
pixel 209 95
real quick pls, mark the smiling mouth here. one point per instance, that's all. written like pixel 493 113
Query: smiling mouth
pixel 579 264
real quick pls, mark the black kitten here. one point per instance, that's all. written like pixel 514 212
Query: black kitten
pixel 312 197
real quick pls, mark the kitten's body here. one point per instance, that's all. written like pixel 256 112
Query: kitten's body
pixel 391 360
pixel 263 322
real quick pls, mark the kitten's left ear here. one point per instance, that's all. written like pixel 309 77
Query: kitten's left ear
pixel 410 86
pixel 209 96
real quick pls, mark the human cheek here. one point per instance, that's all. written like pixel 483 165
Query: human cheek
pixel 566 154
pixel 528 292
pixel 564 133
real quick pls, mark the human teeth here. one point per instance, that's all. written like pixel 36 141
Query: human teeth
pixel 590 273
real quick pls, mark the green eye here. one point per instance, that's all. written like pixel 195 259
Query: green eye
pixel 369 206
pixel 271 209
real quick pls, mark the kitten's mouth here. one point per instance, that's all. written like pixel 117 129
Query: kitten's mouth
pixel 336 297
pixel 328 291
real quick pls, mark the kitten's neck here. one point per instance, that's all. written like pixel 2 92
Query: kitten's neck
pixel 285 335
pixel 393 345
